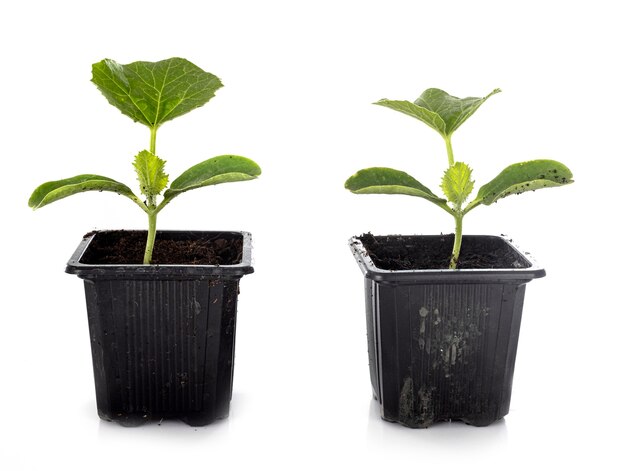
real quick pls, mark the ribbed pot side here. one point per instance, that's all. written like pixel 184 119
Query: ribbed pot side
pixel 163 337
pixel 162 349
pixel 442 345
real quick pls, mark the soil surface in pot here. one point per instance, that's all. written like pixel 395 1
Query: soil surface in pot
pixel 433 252
pixel 127 248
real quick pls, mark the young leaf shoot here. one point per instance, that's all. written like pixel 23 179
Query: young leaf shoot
pixel 152 93
pixel 445 113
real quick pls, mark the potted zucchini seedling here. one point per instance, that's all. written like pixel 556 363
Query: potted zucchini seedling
pixel 443 312
pixel 161 304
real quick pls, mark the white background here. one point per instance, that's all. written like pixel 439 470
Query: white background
pixel 299 79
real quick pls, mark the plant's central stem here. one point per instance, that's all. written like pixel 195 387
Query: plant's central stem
pixel 457 212
pixel 152 218
pixel 458 237
pixel 152 209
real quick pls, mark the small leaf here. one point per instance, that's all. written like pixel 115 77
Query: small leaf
pixel 457 183
pixel 154 92
pixel 221 169
pixel 439 110
pixel 52 191
pixel 149 168
pixel 521 177
pixel 381 180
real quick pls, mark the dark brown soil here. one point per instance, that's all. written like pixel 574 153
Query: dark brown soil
pixel 170 248
pixel 434 252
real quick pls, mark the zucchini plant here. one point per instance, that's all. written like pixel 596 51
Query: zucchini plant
pixel 152 93
pixel 445 114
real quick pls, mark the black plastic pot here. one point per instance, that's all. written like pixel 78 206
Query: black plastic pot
pixel 162 336
pixel 442 343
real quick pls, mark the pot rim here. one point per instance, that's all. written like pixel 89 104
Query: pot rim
pixel 178 271
pixel 487 275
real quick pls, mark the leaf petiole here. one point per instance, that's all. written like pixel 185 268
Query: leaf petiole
pixel 153 132
pixel 448 140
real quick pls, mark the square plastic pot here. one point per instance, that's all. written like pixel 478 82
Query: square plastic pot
pixel 162 336
pixel 442 343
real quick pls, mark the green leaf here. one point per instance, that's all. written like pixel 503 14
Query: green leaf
pixel 439 110
pixel 452 110
pixel 426 116
pixel 154 92
pixel 457 183
pixel 522 177
pixel 149 168
pixel 221 169
pixel 381 180
pixel 52 191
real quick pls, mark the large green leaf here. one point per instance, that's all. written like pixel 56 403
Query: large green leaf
pixel 457 183
pixel 221 169
pixel 382 180
pixel 154 92
pixel 149 168
pixel 439 110
pixel 52 191
pixel 522 177
pixel 452 110
pixel 431 118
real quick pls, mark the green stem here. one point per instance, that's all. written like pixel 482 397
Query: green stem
pixel 139 203
pixel 152 209
pixel 471 206
pixel 153 132
pixel 456 212
pixel 458 236
pixel 147 256
pixel 448 140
